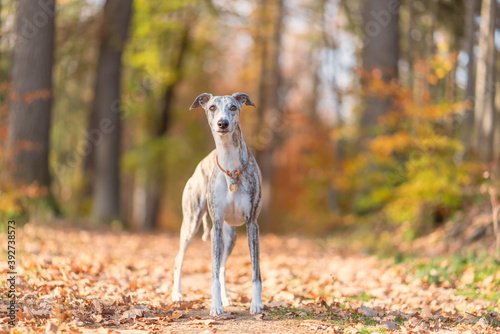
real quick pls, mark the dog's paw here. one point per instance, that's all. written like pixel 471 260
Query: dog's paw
pixel 227 301
pixel 176 296
pixel 256 308
pixel 216 310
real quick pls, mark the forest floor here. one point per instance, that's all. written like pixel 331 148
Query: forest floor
pixel 75 280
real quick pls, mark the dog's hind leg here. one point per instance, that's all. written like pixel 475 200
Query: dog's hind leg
pixel 188 230
pixel 229 240
pixel 193 208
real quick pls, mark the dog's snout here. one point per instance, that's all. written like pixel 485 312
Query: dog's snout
pixel 223 124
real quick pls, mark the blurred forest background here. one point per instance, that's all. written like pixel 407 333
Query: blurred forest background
pixel 378 114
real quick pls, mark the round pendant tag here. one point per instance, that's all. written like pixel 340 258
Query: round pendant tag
pixel 233 187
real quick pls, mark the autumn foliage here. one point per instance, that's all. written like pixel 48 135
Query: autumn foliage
pixel 412 168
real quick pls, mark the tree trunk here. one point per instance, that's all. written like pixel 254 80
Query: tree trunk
pixel 1 64
pixel 4 79
pixel 380 54
pixel 484 110
pixel 94 138
pixel 467 128
pixel 31 95
pixel 155 180
pixel 469 43
pixel 380 57
pixel 263 42
pixel 269 106
pixel 496 138
pixel 106 103
pixel 431 47
pixel 429 38
pixel 411 44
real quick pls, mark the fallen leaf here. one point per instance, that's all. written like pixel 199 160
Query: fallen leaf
pixel 314 325
pixel 423 326
pixel 150 320
pixel 177 314
pixel 391 325
pixel 483 323
pixel 203 322
pixel 426 313
pixel 51 327
pixel 366 311
pixel 26 314
pixel 182 305
pixel 98 305
pixel 127 299
pixel 131 314
pixel 44 314
pixel 276 303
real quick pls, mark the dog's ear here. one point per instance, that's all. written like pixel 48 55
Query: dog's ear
pixel 243 98
pixel 201 100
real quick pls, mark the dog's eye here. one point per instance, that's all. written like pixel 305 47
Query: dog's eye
pixel 213 108
pixel 233 108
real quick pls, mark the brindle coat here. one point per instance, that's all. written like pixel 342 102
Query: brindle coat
pixel 208 190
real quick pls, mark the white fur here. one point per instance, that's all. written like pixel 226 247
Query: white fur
pixel 256 306
pixel 216 299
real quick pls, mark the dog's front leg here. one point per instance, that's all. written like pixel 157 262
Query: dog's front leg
pixel 216 259
pixel 253 244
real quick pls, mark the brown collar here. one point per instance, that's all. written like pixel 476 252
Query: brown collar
pixel 236 172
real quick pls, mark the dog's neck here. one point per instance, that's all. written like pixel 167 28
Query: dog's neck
pixel 231 149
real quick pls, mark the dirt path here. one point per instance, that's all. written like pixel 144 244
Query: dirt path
pixel 75 280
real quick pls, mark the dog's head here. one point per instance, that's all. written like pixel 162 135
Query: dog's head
pixel 223 112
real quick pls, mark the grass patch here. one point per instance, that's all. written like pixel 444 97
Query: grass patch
pixel 370 331
pixel 359 318
pixel 296 313
pixel 473 267
pixel 473 292
pixel 291 313
pixel 362 297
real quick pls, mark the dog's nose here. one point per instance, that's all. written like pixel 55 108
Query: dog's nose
pixel 223 124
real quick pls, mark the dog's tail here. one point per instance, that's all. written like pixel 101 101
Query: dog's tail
pixel 206 227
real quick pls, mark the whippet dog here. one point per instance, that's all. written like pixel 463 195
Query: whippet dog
pixel 227 184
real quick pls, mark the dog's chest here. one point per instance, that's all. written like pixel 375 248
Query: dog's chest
pixel 235 206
